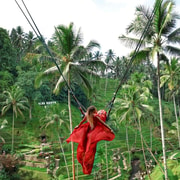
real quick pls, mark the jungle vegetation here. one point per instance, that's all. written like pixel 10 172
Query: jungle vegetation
pixel 39 109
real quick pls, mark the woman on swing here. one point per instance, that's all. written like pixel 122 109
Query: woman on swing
pixel 88 134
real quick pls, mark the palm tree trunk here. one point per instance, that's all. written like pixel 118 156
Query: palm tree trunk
pixel 106 84
pixel 127 142
pixel 135 139
pixel 161 118
pixel 30 110
pixel 149 149
pixel 153 156
pixel 150 136
pixel 91 78
pixel 77 171
pixel 106 160
pixel 70 120
pixel 177 124
pixel 142 144
pixel 63 153
pixel 12 147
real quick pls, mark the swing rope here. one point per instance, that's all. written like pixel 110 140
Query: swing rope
pixel 125 76
pixel 40 37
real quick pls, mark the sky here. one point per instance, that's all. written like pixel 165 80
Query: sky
pixel 100 20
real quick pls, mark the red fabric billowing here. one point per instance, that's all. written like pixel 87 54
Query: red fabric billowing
pixel 87 140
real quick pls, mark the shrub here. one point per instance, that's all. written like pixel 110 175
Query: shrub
pixel 3 175
pixel 10 165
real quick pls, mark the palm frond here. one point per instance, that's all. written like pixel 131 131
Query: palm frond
pixel 174 37
pixel 167 11
pixel 3 124
pixel 138 113
pixel 79 52
pixel 129 41
pixel 46 75
pixel 164 79
pixel 75 67
pixel 148 107
pixel 142 17
pixel 171 24
pixel 157 14
pixel 86 84
pixel 62 79
pixel 2 139
pixel 40 78
pixel 173 50
pixel 92 44
pixel 78 38
pixel 95 64
pixel 5 109
pixel 66 38
pixel 140 55
pixel 163 57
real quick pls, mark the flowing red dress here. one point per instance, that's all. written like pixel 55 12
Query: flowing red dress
pixel 88 138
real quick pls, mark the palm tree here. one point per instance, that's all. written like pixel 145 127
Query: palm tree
pixel 159 41
pixel 14 100
pixel 2 125
pixel 171 74
pixel 69 50
pixel 109 59
pixel 18 40
pixel 123 117
pixel 57 121
pixel 30 41
pixel 118 66
pixel 7 53
pixel 94 63
pixel 133 105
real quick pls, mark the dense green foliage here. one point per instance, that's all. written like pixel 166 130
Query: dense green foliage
pixel 36 109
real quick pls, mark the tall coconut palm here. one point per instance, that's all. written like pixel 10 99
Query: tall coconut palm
pixel 171 74
pixel 159 40
pixel 118 67
pixel 133 105
pixel 67 44
pixel 94 63
pixel 18 40
pixel 109 59
pixel 15 101
pixel 56 120
pixel 123 116
pixel 7 53
pixel 30 41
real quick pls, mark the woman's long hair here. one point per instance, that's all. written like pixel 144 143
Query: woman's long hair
pixel 90 111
